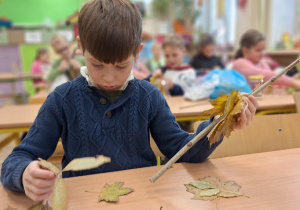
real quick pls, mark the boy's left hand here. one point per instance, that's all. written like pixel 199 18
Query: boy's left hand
pixel 247 114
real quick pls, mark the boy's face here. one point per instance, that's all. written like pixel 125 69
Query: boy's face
pixel 108 76
pixel 173 56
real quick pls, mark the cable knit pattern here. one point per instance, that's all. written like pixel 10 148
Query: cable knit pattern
pixel 89 126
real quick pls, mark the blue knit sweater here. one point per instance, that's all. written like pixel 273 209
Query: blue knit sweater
pixel 89 124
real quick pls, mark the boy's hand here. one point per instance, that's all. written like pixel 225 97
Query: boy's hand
pixel 38 182
pixel 246 116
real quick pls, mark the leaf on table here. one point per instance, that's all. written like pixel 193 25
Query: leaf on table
pixel 209 188
pixel 112 192
pixel 10 208
pixel 49 166
pixel 86 163
pixel 229 106
pixel 59 195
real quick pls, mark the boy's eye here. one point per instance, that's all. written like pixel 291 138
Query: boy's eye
pixel 97 65
pixel 121 67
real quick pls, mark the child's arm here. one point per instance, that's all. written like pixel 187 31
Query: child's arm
pixel 40 141
pixel 170 138
pixel 57 68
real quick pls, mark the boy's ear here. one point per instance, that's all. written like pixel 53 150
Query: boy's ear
pixel 139 50
pixel 79 43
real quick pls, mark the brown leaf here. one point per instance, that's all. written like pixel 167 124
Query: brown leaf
pixel 86 163
pixel 59 195
pixel 209 188
pixel 112 192
pixel 49 166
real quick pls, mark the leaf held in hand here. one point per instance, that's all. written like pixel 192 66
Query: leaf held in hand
pixel 86 163
pixel 59 195
pixel 229 106
pixel 209 188
pixel 112 192
pixel 49 166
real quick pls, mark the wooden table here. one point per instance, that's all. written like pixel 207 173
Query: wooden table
pixel 268 104
pixel 38 98
pixel 8 77
pixel 12 78
pixel 272 180
pixel 17 118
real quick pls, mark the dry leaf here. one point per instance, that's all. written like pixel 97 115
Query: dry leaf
pixel 49 166
pixel 10 208
pixel 209 188
pixel 229 106
pixel 86 163
pixel 112 192
pixel 59 195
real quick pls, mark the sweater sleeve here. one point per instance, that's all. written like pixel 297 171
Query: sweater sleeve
pixel 40 141
pixel 170 138
pixel 246 68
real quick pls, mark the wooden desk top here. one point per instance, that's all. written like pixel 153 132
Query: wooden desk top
pixel 8 77
pixel 272 180
pixel 18 115
pixel 181 107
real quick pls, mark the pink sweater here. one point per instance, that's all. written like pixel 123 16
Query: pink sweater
pixel 247 68
pixel 37 68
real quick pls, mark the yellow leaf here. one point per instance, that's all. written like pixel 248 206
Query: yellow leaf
pixel 219 106
pixel 229 106
pixel 112 192
pixel 59 195
pixel 49 166
pixel 86 163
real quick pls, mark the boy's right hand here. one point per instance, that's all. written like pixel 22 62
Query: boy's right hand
pixel 157 73
pixel 38 182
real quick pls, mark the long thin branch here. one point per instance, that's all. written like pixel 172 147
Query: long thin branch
pixel 211 126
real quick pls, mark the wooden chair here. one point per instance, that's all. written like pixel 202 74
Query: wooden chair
pixel 265 133
pixel 6 138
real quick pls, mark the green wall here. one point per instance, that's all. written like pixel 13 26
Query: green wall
pixel 36 11
pixel 28 53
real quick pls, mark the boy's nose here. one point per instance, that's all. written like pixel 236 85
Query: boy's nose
pixel 108 78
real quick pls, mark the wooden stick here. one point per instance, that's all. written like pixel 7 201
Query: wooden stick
pixel 211 126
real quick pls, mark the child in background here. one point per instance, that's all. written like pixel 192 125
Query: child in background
pixel 65 68
pixel 157 61
pixel 105 111
pixel 41 66
pixel 175 73
pixel 205 60
pixel 249 60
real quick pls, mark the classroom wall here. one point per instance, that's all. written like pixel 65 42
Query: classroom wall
pixel 28 12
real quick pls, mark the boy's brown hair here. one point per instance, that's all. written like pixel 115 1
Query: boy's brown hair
pixel 174 40
pixel 111 30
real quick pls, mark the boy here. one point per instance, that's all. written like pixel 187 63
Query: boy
pixel 66 67
pixel 177 75
pixel 104 112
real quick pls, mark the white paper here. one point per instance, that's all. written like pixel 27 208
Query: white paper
pixel 33 37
